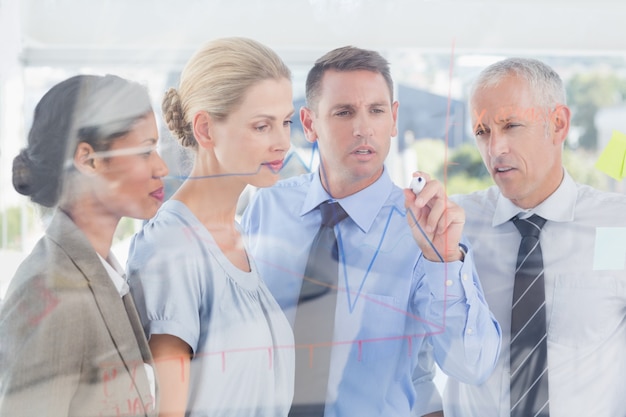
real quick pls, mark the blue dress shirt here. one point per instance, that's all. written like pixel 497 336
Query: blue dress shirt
pixel 396 312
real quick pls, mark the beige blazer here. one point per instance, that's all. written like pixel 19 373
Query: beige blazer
pixel 68 346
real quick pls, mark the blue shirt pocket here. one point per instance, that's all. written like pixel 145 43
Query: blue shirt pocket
pixel 381 325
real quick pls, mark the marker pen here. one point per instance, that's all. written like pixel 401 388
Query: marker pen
pixel 417 184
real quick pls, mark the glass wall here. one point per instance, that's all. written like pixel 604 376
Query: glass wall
pixel 432 69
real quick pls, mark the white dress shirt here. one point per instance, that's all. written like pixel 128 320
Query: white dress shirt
pixel 117 275
pixel 584 253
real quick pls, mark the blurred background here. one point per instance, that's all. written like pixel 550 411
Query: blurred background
pixel 435 47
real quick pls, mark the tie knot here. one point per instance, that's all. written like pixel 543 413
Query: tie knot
pixel 332 213
pixel 530 226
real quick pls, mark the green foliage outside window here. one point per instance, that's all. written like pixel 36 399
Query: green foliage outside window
pixel 465 171
pixel 586 94
pixel 11 226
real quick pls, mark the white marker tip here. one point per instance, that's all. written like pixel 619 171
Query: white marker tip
pixel 417 184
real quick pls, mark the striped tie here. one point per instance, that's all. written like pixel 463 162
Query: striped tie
pixel 529 348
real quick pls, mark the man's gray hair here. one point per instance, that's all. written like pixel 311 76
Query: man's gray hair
pixel 542 80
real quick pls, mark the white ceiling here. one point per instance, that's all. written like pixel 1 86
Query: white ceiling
pixel 164 32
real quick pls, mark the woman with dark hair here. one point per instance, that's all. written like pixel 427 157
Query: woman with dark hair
pixel 71 340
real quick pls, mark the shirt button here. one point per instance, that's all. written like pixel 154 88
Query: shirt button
pixel 469 330
pixel 464 277
pixel 448 283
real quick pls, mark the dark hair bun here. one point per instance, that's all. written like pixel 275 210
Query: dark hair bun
pixel 22 173
pixel 84 108
pixel 28 180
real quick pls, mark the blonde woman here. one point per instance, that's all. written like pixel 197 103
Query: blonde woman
pixel 221 344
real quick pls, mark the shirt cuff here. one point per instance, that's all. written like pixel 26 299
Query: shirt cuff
pixel 428 399
pixel 455 278
pixel 173 328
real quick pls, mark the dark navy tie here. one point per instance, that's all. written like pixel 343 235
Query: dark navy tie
pixel 529 347
pixel 315 316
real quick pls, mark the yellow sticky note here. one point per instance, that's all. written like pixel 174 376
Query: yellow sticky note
pixel 611 160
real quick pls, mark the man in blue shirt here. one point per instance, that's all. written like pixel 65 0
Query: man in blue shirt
pixel 403 301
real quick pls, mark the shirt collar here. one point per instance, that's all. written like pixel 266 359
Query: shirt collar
pixel 362 207
pixel 558 207
pixel 116 273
